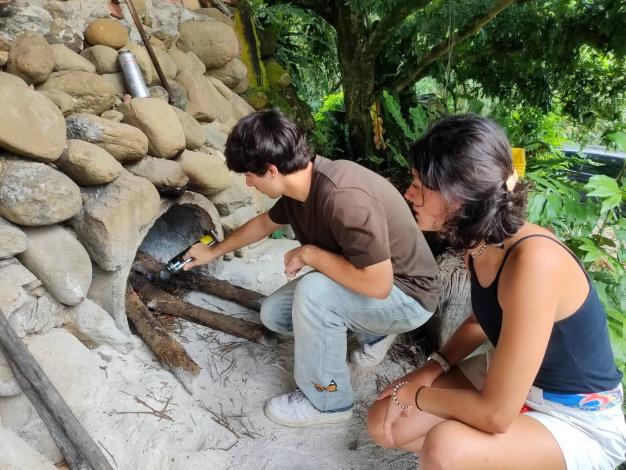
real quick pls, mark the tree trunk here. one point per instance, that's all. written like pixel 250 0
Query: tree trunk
pixel 169 351
pixel 357 79
pixel 159 300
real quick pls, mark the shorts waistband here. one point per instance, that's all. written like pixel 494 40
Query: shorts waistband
pixel 596 401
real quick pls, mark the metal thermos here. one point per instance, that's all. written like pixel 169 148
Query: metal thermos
pixel 132 74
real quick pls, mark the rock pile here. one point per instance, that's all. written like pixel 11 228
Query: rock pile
pixel 82 171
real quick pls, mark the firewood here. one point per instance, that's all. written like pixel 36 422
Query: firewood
pixel 147 265
pixel 164 302
pixel 169 351
pixel 79 450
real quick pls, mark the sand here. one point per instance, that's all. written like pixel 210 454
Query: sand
pixel 148 421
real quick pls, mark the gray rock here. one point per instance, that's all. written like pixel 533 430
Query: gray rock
pixel 163 174
pixel 112 218
pixel 31 125
pixel 159 92
pixel 59 261
pixel 34 194
pixel 213 42
pixel 12 239
pixel 15 280
pixel 31 58
pixel 205 101
pixel 178 95
pixel 233 221
pixel 8 384
pixel 16 454
pixel 158 121
pixel 112 115
pixel 67 59
pixel 168 65
pixel 38 315
pixel 88 164
pixel 92 93
pixel 73 370
pixel 91 324
pixel 7 79
pixel 181 58
pixel 207 170
pixel 64 102
pixel 237 195
pixel 126 143
pixel 103 58
pixel 194 132
pixel 231 74
pixel 116 80
pixel 214 137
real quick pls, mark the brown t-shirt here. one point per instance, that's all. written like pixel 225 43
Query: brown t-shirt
pixel 357 213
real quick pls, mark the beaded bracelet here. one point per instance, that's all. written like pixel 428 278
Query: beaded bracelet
pixel 394 395
pixel 416 395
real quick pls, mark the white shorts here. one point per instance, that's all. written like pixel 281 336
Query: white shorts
pixel 589 429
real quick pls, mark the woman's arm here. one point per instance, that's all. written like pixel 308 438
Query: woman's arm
pixel 529 292
pixel 464 341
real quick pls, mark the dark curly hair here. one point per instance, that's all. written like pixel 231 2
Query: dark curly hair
pixel 467 158
pixel 264 138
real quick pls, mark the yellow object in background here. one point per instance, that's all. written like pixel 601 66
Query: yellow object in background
pixel 519 160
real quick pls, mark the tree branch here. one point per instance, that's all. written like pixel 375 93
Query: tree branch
pixel 388 23
pixel 408 77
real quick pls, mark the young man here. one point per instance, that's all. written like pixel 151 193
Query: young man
pixel 373 271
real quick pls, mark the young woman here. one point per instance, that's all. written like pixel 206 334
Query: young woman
pixel 548 395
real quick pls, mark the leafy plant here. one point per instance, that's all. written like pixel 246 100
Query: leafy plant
pixel 590 219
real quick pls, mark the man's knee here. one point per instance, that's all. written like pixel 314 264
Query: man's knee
pixel 316 288
pixel 274 317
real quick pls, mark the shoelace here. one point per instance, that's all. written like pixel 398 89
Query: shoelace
pixel 296 396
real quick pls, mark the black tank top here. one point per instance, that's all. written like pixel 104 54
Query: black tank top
pixel 578 358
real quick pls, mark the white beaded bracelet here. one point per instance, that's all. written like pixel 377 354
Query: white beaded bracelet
pixel 394 396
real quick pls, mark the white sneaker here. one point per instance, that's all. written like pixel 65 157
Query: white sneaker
pixel 294 409
pixel 370 355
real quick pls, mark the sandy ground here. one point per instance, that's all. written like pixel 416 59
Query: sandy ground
pixel 152 423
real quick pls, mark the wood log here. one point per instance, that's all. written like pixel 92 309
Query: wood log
pixel 147 265
pixel 169 351
pixel 164 302
pixel 79 450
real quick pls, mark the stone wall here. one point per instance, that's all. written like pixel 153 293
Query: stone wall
pixel 85 172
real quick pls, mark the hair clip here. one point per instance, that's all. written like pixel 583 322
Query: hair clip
pixel 511 181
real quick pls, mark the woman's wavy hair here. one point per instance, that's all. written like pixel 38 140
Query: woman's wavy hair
pixel 467 158
pixel 264 138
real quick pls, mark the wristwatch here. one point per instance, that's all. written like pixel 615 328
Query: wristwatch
pixel 439 359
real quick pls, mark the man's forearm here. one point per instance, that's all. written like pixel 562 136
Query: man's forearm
pixel 375 282
pixel 252 231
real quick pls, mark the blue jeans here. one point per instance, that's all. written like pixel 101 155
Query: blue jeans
pixel 319 312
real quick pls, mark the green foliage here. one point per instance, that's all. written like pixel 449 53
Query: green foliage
pixel 329 136
pixel 306 46
pixel 590 220
pixel 410 127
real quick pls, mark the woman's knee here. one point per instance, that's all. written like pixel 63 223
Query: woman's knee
pixel 375 419
pixel 442 447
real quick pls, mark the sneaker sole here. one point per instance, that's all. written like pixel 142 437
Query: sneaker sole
pixel 327 418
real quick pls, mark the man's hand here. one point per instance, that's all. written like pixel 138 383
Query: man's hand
pixel 200 254
pixel 295 260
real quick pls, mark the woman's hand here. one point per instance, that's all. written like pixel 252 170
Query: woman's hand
pixel 425 375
